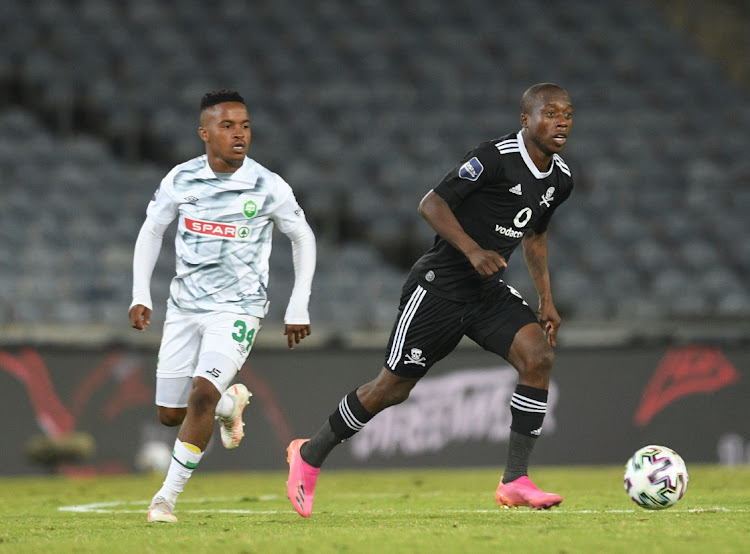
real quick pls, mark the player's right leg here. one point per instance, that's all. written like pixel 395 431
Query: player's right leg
pixel 190 445
pixel 178 356
pixel 354 411
pixel 300 485
pixel 161 511
pixel 427 329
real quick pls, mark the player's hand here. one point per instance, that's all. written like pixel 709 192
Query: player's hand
pixel 140 317
pixel 486 262
pixel 550 321
pixel 295 333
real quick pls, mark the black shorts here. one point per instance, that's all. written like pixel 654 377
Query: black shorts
pixel 429 327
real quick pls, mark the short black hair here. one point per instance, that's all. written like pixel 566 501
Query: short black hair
pixel 218 96
pixel 529 97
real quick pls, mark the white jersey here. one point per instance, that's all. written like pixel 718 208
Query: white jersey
pixel 224 233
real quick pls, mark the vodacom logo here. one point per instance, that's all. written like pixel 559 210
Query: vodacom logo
pixel 520 221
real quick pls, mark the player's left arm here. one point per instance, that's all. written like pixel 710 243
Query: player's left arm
pixel 297 317
pixel 289 218
pixel 535 254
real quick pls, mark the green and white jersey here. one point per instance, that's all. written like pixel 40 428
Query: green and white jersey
pixel 225 224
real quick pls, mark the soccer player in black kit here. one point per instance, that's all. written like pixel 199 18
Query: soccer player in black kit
pixel 502 194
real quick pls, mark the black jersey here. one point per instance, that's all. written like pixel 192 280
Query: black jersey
pixel 497 194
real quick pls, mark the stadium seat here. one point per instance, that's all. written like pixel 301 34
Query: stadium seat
pixel 363 108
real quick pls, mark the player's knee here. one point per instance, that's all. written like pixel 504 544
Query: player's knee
pixel 385 391
pixel 397 394
pixel 171 417
pixel 538 363
pixel 547 359
pixel 204 396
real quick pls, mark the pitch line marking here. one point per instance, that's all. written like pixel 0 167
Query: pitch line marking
pixel 119 507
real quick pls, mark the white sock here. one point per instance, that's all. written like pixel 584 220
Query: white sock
pixel 184 461
pixel 225 405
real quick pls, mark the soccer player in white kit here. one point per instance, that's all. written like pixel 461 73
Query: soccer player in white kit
pixel 226 205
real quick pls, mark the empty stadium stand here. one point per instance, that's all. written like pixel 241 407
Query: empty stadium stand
pixel 363 106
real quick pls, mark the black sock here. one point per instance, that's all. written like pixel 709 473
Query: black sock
pixel 316 450
pixel 519 451
pixel 528 407
pixel 349 418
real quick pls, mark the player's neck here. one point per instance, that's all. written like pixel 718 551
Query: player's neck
pixel 541 160
pixel 219 165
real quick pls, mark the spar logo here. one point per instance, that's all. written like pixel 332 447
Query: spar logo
pixel 215 229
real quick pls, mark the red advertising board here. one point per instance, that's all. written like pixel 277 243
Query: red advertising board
pixel 603 405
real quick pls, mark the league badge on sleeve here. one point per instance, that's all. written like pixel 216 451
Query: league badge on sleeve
pixel 471 170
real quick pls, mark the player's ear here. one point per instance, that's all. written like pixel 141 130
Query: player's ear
pixel 524 120
pixel 203 134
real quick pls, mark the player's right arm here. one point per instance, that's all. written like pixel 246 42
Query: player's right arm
pixel 161 211
pixel 439 215
pixel 146 252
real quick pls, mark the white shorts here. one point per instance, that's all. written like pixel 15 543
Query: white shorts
pixel 212 345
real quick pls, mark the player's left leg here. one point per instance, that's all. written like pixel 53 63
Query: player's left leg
pixel 509 328
pixel 229 412
pixel 230 336
pixel 532 356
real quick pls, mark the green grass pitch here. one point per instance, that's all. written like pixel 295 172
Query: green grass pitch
pixel 421 511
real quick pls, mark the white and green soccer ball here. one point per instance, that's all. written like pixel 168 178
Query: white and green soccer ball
pixel 655 477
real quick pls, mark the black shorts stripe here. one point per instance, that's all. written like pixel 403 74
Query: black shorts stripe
pixel 403 325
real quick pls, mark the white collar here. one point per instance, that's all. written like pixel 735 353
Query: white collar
pixel 246 173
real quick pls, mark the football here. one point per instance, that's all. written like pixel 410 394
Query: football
pixel 655 477
pixel 154 457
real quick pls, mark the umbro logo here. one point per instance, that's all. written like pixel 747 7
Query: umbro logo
pixel 537 432
pixel 215 372
pixel 516 190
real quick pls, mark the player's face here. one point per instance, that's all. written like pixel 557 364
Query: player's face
pixel 225 128
pixel 549 122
